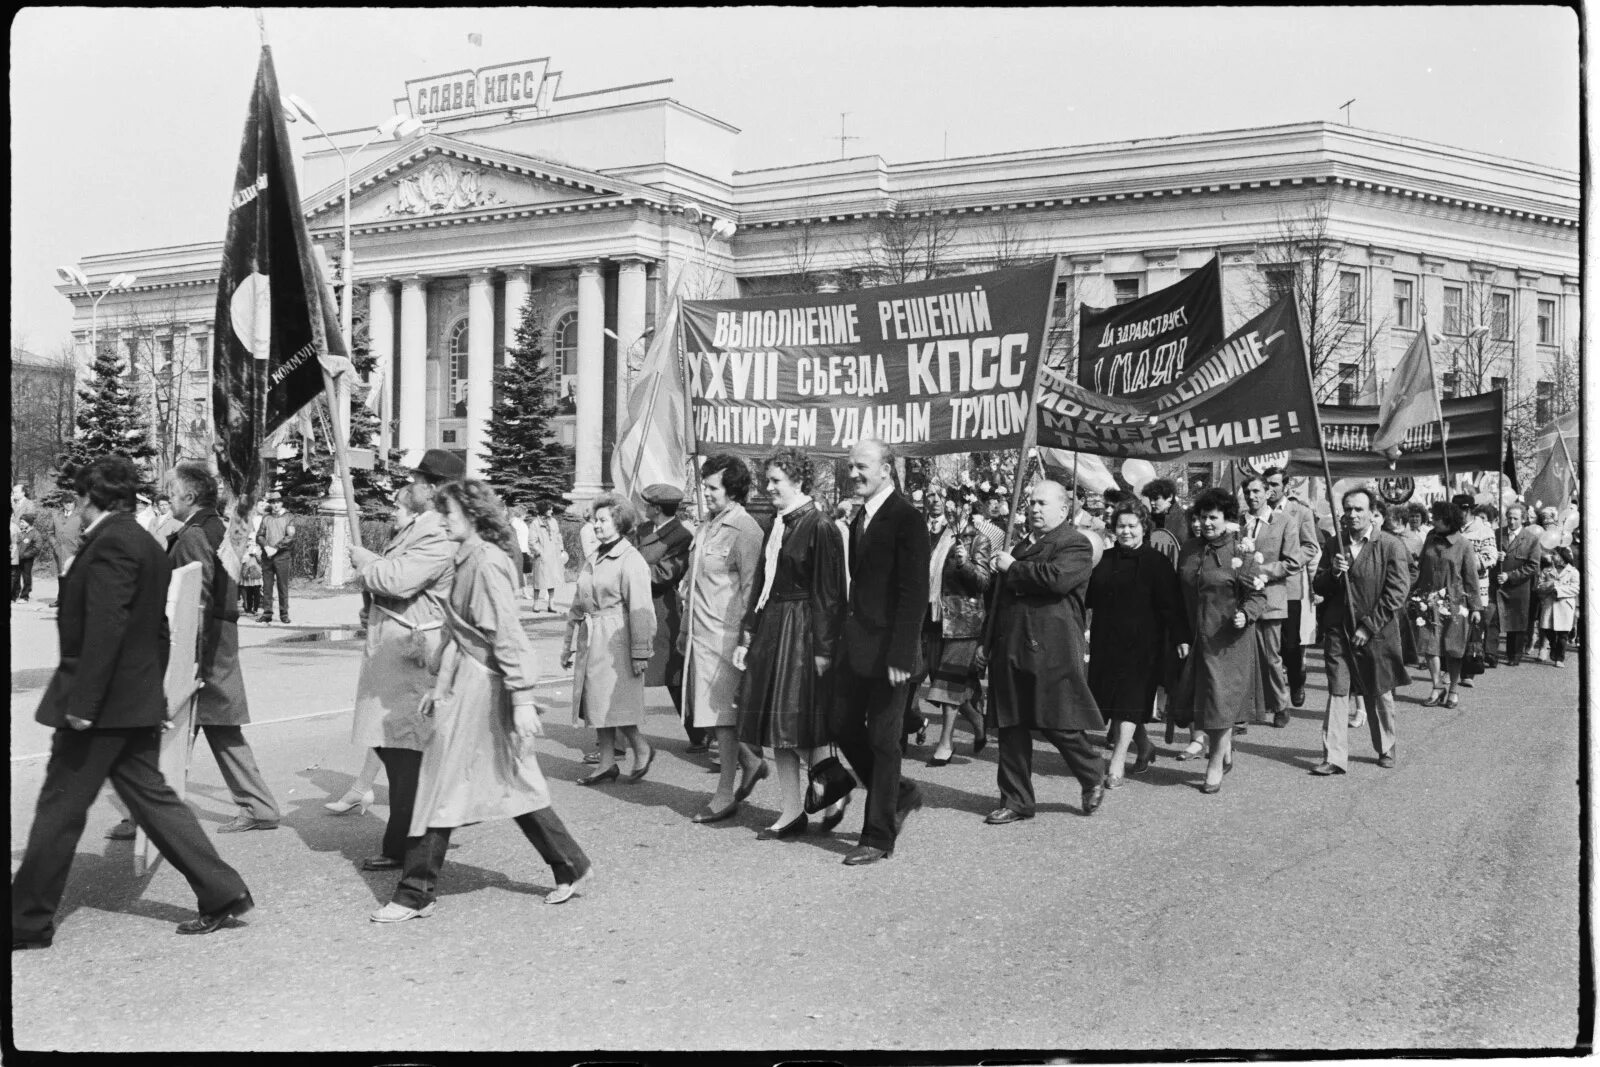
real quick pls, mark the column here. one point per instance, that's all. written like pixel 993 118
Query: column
pixel 413 433
pixel 380 342
pixel 591 382
pixel 517 285
pixel 480 367
pixel 630 328
pixel 1160 268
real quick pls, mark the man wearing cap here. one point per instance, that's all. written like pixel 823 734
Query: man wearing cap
pixel 274 537
pixel 664 543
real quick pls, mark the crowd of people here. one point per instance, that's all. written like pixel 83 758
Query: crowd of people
pixel 809 651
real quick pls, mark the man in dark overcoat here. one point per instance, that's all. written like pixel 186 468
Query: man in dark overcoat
pixel 879 649
pixel 222 707
pixel 664 543
pixel 1518 573
pixel 1038 679
pixel 106 702
pixel 1363 583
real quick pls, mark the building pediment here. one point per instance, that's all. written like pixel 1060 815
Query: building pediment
pixel 443 176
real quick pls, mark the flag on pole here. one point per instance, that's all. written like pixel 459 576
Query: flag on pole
pixel 1092 472
pixel 653 443
pixel 1509 467
pixel 1410 399
pixel 1557 475
pixel 272 328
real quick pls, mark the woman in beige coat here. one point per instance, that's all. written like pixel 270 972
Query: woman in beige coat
pixel 408 584
pixel 611 631
pixel 480 762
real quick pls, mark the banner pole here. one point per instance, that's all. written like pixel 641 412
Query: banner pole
pixel 1030 435
pixel 1438 400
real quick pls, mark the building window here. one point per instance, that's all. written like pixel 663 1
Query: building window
pixel 564 349
pixel 1347 383
pixel 1280 282
pixel 1451 383
pixel 164 352
pixel 1454 302
pixel 1404 302
pixel 1544 395
pixel 457 347
pixel 1125 290
pixel 1500 316
pixel 1547 321
pixel 1497 383
pixel 1349 296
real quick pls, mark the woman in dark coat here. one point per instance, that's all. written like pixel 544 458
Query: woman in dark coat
pixel 1224 594
pixel 796 609
pixel 1138 621
pixel 959 571
pixel 1443 600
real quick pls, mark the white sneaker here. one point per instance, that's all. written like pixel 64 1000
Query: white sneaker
pixel 1358 720
pixel 399 913
pixel 567 890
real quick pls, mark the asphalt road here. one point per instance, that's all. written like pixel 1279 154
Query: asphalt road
pixel 1429 907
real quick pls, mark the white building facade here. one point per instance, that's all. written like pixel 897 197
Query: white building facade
pixel 596 207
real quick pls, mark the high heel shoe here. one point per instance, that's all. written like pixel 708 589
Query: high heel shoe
pixel 1142 764
pixel 610 774
pixel 350 802
pixel 1435 699
pixel 1195 750
pixel 980 733
pixel 793 828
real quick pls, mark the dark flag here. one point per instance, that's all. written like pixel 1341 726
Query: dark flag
pixel 1510 468
pixel 1148 343
pixel 272 329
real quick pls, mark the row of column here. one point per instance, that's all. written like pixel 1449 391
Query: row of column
pixel 413 356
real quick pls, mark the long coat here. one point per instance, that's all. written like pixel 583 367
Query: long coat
pixel 473 769
pixel 222 700
pixel 411 580
pixel 549 557
pixel 112 625
pixel 1518 573
pixel 1038 631
pixel 716 592
pixel 1219 679
pixel 1138 621
pixel 611 623
pixel 1560 598
pixel 665 550
pixel 1378 581
pixel 1447 563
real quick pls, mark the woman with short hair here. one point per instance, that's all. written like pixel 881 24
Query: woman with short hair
pixel 1445 601
pixel 1559 582
pixel 479 763
pixel 611 632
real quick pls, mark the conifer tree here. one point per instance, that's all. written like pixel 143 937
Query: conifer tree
pixel 523 460
pixel 109 420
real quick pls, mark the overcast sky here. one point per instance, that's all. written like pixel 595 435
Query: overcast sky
pixel 125 123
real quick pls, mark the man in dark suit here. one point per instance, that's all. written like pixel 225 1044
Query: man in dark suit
pixel 106 702
pixel 879 645
pixel 1363 583
pixel 664 543
pixel 1036 650
pixel 222 707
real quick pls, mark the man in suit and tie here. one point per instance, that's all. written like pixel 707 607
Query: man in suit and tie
pixel 1280 556
pixel 1036 652
pixel 1363 583
pixel 880 649
pixel 107 703
pixel 1298 625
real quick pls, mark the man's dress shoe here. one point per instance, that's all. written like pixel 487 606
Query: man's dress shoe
pixel 1387 759
pixel 1003 816
pixel 864 854
pixel 1093 797
pixel 241 823
pixel 381 863
pixel 207 921
pixel 1327 768
pixel 1297 696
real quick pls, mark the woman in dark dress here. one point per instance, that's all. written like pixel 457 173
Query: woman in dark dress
pixel 796 609
pixel 1138 620
pixel 1224 594
pixel 958 583
pixel 1445 602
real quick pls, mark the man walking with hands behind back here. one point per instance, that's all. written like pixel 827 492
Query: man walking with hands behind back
pixel 106 702
pixel 221 708
pixel 880 645
pixel 274 537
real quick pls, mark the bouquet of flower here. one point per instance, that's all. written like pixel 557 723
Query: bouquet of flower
pixel 1428 609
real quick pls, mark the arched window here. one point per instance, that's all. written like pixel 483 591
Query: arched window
pixel 564 350
pixel 457 347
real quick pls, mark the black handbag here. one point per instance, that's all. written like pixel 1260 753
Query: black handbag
pixel 831 781
pixel 960 617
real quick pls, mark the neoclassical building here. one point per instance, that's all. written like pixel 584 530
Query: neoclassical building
pixel 596 207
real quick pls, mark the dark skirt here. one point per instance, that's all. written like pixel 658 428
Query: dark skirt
pixel 1445 637
pixel 782 702
pixel 1125 696
pixel 950 676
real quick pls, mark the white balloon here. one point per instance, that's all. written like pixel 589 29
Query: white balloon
pixel 1138 473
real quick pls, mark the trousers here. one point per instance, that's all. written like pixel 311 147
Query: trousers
pixel 867 729
pixel 80 763
pixel 275 571
pixel 1336 725
pixel 1016 763
pixel 543 829
pixel 239 771
pixel 1294 653
pixel 1274 687
pixel 402 766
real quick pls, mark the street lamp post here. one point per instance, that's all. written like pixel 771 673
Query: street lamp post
pixel 396 128
pixel 74 275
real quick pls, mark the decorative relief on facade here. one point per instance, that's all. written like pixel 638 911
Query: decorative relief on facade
pixel 438 188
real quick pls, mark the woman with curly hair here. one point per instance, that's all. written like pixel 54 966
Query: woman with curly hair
pixel 1445 592
pixel 480 763
pixel 1224 594
pixel 796 609
pixel 611 633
